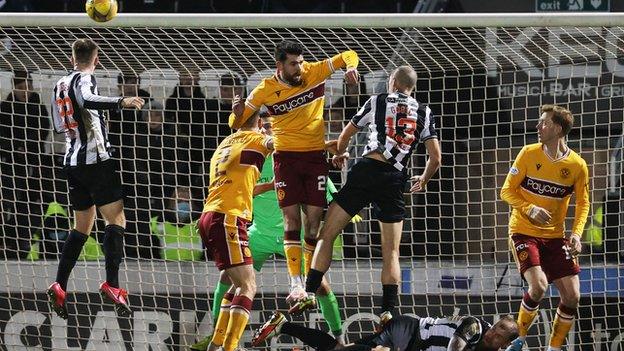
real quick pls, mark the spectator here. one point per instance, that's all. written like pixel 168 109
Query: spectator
pixel 24 122
pixel 176 228
pixel 24 127
pixel 122 123
pixel 346 106
pixel 160 159
pixel 20 213
pixel 186 108
pixel 340 112
pixel 230 85
pixel 160 154
pixel 55 229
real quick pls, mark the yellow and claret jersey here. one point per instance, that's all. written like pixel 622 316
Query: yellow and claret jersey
pixel 297 111
pixel 535 179
pixel 234 170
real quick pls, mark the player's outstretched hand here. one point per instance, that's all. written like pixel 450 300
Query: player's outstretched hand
pixel 339 161
pixel 419 184
pixel 238 106
pixel 539 215
pixel 135 102
pixel 352 76
pixel 575 244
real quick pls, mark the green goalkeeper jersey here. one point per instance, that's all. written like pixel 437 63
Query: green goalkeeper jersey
pixel 267 216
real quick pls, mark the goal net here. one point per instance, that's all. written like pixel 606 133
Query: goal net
pixel 484 79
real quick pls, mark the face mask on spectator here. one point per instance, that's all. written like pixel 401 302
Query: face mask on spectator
pixel 58 235
pixel 184 211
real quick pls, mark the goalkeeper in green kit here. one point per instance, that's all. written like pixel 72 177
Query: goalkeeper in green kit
pixel 266 238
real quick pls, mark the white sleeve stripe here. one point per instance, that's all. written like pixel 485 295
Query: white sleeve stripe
pixel 101 102
pixel 250 105
pixel 331 66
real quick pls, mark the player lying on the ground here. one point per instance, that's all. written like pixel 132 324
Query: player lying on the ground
pixel 405 333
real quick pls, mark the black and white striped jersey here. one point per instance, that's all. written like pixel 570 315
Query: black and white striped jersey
pixel 396 122
pixel 436 333
pixel 78 111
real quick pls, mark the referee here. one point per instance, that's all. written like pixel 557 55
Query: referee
pixel 78 112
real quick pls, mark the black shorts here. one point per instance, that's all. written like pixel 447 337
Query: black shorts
pixel 97 184
pixel 377 182
pixel 401 333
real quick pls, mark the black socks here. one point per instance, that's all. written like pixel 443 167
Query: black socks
pixel 313 281
pixel 113 251
pixel 390 298
pixel 71 250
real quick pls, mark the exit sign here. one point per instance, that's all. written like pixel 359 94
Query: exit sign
pixel 572 5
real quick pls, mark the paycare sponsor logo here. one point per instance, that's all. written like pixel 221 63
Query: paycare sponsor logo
pixel 544 188
pixel 289 105
pixel 297 101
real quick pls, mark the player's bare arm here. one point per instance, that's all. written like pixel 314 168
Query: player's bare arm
pixel 238 106
pixel 262 188
pixel 433 164
pixel 342 155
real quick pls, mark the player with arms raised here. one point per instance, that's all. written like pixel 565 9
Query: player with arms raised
pixel 396 123
pixel 538 188
pixel 78 112
pixel 234 170
pixel 294 97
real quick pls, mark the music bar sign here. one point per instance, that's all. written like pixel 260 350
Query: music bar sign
pixel 572 5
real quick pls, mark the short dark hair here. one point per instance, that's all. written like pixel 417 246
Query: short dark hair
pixel 287 47
pixel 83 50
pixel 561 116
pixel 251 121
pixel 20 77
pixel 230 79
pixel 122 78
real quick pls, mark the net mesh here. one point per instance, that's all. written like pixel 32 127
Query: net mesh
pixel 485 86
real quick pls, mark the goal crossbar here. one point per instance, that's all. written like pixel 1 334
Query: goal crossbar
pixel 555 19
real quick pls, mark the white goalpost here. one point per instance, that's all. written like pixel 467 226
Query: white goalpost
pixel 484 76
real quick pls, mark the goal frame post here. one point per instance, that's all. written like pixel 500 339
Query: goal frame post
pixel 265 20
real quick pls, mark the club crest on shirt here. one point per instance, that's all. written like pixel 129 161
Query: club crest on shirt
pixel 564 173
pixel 523 255
pixel 247 252
pixel 281 194
pixel 513 171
